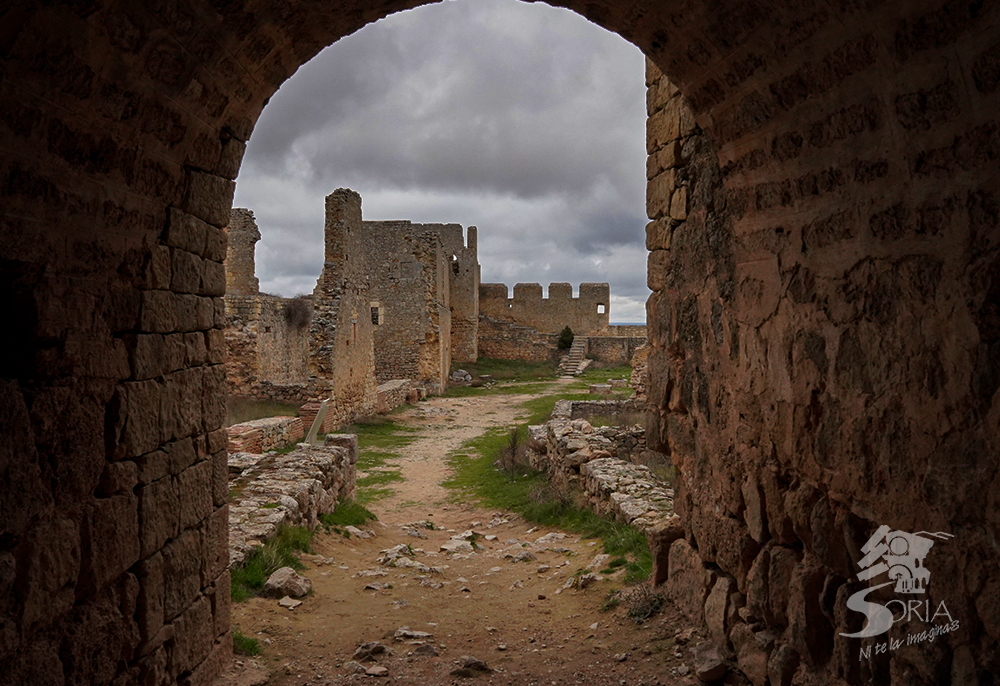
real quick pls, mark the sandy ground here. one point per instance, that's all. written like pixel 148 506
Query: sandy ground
pixel 513 615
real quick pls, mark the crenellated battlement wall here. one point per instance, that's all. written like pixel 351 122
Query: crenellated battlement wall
pixel 586 315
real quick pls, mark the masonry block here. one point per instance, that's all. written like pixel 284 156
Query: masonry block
pixel 209 197
pixel 181 572
pixel 159 514
pixel 194 485
pixel 159 313
pixel 187 232
pixel 138 417
pixel 215 537
pixel 114 537
pixel 149 605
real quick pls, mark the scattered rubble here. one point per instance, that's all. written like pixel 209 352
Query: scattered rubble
pixel 287 582
pixel 289 603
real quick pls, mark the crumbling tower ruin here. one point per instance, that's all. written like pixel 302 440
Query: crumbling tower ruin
pixel 241 278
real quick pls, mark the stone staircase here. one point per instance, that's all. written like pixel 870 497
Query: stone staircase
pixel 574 363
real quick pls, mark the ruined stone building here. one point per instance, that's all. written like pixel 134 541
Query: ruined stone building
pixel 586 315
pixel 823 328
pixel 394 297
pixel 424 288
pixel 300 349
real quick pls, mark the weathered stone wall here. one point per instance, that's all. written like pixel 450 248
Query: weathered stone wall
pixel 293 489
pixel 424 295
pixel 268 344
pixel 613 349
pixel 629 330
pixel 824 348
pixel 826 311
pixel 241 270
pixel 639 379
pixel 262 435
pixel 575 454
pixel 464 293
pixel 551 314
pixel 392 394
pixel 505 340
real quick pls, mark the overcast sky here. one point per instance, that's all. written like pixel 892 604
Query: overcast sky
pixel 522 119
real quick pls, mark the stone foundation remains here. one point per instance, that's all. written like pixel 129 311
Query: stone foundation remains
pixel 293 489
pixel 262 435
pixel 578 456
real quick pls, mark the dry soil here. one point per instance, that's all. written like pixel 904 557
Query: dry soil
pixel 515 616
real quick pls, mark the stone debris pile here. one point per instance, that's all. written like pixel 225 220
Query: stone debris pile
pixel 268 491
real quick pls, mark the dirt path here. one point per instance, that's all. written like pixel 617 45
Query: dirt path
pixel 501 602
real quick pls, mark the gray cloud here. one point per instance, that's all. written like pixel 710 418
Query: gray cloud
pixel 525 120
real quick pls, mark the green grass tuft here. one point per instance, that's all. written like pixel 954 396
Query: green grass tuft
pixel 249 578
pixel 507 370
pixel 347 513
pixel 378 478
pixel 245 645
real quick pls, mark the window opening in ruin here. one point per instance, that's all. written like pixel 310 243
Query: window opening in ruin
pixel 600 308
pixel 376 315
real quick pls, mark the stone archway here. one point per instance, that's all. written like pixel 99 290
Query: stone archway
pixel 824 323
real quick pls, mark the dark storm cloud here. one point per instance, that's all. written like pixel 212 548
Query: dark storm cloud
pixel 524 120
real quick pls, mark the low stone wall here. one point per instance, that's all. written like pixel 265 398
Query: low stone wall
pixel 585 409
pixel 262 435
pixel 633 330
pixel 294 489
pixel 573 452
pixel 394 393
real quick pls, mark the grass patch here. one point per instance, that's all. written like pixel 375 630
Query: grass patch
pixel 239 410
pixel 245 645
pixel 371 494
pixel 379 478
pixel 381 434
pixel 248 580
pixel 507 370
pixel 611 601
pixel 522 489
pixel 372 458
pixel 348 513
pixel 643 603
pixel 513 388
